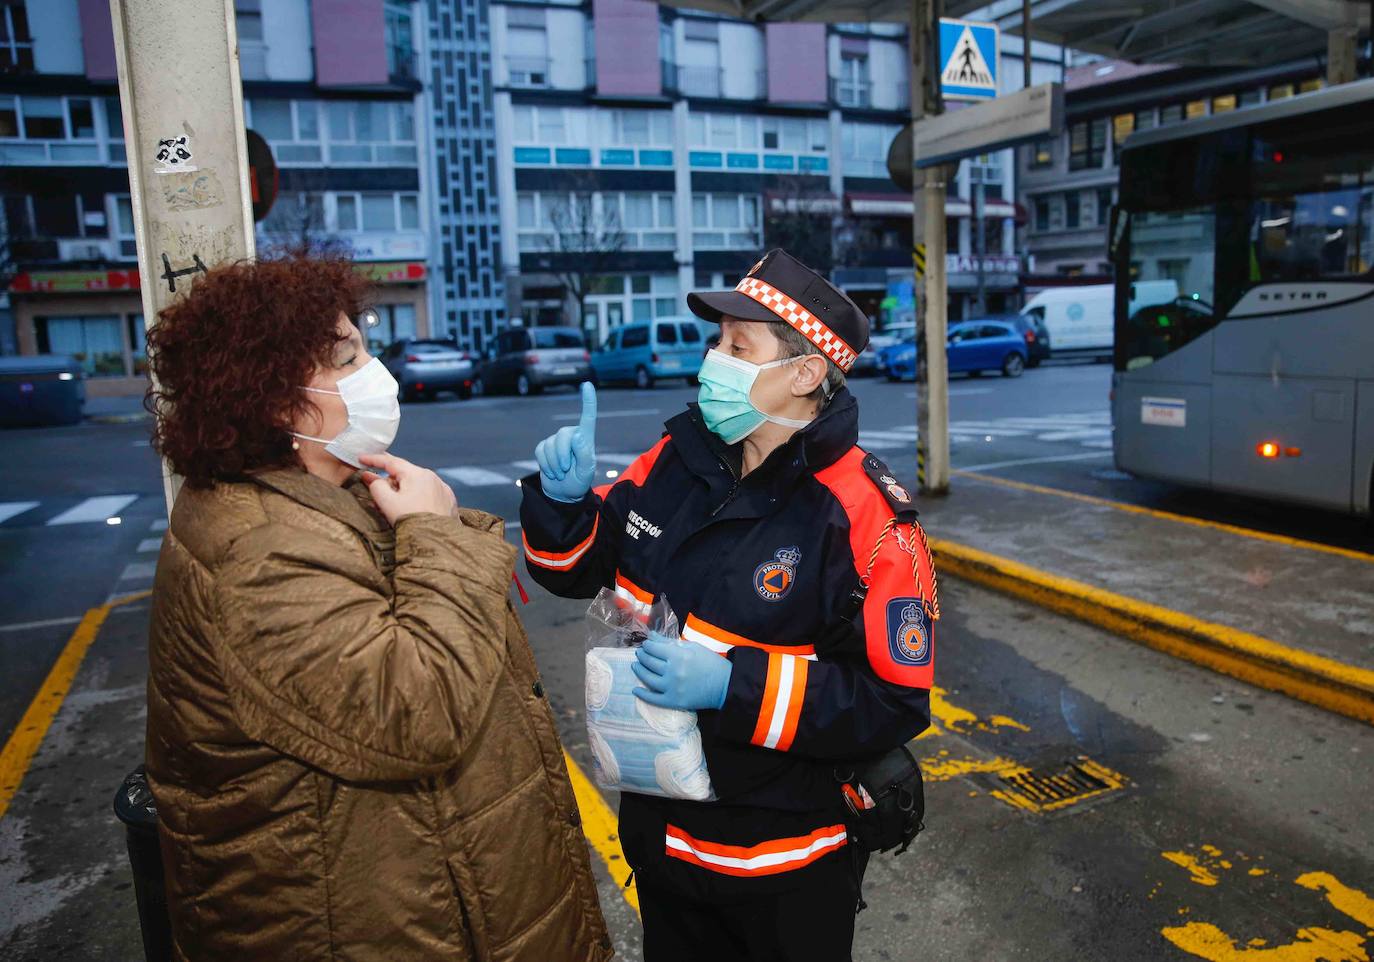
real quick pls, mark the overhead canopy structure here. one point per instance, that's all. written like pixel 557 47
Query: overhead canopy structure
pixel 1193 32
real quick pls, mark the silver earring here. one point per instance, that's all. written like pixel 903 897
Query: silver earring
pixel 295 445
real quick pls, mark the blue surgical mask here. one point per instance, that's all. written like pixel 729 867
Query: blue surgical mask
pixel 724 398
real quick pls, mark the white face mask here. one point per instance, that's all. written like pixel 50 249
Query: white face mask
pixel 374 413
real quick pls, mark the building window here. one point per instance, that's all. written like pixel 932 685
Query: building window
pixel 1223 103
pixel 646 219
pixel 852 88
pixel 368 132
pixel 1249 98
pixel 1042 154
pixel 401 64
pixel 636 128
pixel 545 126
pixel 60 130
pixel 527 47
pixel 1310 86
pixel 96 342
pixel 16 43
pixel 725 222
pixel 1123 125
pixel 699 73
pixel 291 127
pixel 1087 144
pixel 124 226
pixel 1042 214
pixel 1171 114
pixel 1071 209
pixel 1104 206
pixel 1194 109
pixel 863 148
pixel 1281 92
pixel 631 220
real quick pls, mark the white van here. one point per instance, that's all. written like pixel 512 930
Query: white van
pixel 1080 319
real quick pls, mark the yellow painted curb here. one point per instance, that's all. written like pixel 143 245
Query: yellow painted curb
pixel 1325 682
pixel 602 829
pixel 28 735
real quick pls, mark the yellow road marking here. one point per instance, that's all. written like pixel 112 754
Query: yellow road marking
pixel 1329 684
pixel 600 826
pixel 1311 943
pixel 28 735
pixel 1171 516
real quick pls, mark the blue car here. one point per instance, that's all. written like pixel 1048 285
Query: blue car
pixel 972 348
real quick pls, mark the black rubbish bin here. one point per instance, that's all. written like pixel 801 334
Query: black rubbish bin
pixel 134 806
pixel 41 389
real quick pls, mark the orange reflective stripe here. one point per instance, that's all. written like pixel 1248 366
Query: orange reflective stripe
pixel 794 705
pixel 770 700
pixel 639 593
pixel 560 560
pixel 638 470
pixel 765 858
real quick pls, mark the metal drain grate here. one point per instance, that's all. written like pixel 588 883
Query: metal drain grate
pixel 1055 788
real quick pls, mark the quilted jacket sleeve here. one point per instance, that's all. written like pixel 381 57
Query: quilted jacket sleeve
pixel 325 665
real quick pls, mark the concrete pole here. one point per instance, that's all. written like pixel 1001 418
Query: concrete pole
pixel 182 101
pixel 928 243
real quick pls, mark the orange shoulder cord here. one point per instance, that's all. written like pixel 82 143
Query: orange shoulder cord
pixel 915 566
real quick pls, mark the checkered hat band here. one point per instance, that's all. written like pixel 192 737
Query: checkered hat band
pixel 812 327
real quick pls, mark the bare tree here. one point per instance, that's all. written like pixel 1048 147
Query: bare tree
pixel 802 218
pixel 297 223
pixel 587 240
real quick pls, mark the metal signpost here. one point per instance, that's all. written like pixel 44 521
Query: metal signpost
pixel 182 101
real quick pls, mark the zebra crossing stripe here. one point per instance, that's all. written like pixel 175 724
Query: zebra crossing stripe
pixel 476 477
pixel 94 509
pixel 8 509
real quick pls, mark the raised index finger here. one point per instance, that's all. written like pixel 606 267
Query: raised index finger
pixel 587 423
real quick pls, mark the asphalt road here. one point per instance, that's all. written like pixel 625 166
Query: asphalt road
pixel 1240 827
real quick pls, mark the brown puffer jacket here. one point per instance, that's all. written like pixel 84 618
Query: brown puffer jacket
pixel 348 743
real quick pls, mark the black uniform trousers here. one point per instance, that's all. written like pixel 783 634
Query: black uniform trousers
pixel 811 923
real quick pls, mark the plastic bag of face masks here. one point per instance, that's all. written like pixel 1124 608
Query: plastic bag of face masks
pixel 637 747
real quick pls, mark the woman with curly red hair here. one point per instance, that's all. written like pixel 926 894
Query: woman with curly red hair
pixel 347 740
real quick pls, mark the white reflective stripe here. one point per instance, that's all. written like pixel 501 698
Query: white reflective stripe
pixel 690 633
pixel 760 861
pixel 706 641
pixel 785 670
pixel 548 562
pixel 631 601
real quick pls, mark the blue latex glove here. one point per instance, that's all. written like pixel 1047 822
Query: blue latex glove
pixel 680 674
pixel 567 458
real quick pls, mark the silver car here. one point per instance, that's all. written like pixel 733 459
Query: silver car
pixel 423 368
pixel 528 359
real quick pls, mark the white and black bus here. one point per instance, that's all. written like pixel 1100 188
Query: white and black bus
pixel 1258 377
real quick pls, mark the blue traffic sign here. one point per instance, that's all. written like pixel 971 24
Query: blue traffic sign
pixel 968 60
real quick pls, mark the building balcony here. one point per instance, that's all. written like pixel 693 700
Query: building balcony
pixel 531 73
pixel 403 66
pixel 851 93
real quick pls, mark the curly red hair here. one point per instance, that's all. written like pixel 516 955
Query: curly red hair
pixel 230 359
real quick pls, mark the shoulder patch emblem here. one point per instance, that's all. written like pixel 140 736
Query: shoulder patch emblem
pixel 897 496
pixel 899 493
pixel 908 631
pixel 774 579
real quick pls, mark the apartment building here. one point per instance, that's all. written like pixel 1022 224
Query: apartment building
pixel 332 85
pixel 1068 184
pixel 645 150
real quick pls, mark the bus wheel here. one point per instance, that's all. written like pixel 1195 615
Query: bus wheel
pixel 1013 365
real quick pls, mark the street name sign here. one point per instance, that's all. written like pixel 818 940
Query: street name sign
pixel 1009 120
pixel 968 60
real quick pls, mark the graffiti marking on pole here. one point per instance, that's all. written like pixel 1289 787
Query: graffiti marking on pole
pixel 170 276
pixel 173 156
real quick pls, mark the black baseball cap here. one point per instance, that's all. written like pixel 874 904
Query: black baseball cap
pixel 781 288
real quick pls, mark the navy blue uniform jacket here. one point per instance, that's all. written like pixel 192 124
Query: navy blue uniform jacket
pixel 764 570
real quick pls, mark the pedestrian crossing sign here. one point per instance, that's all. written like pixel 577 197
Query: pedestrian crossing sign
pixel 968 58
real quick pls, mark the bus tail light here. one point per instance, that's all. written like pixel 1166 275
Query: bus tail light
pixel 1267 449
pixel 1292 452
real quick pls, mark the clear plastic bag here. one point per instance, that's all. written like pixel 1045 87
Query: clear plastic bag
pixel 637 747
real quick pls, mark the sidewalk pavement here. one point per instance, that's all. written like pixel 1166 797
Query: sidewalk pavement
pixel 115 410
pixel 1299 610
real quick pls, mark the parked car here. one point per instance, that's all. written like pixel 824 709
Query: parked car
pixel 973 347
pixel 528 359
pixel 423 368
pixel 1033 331
pixel 879 343
pixel 645 351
